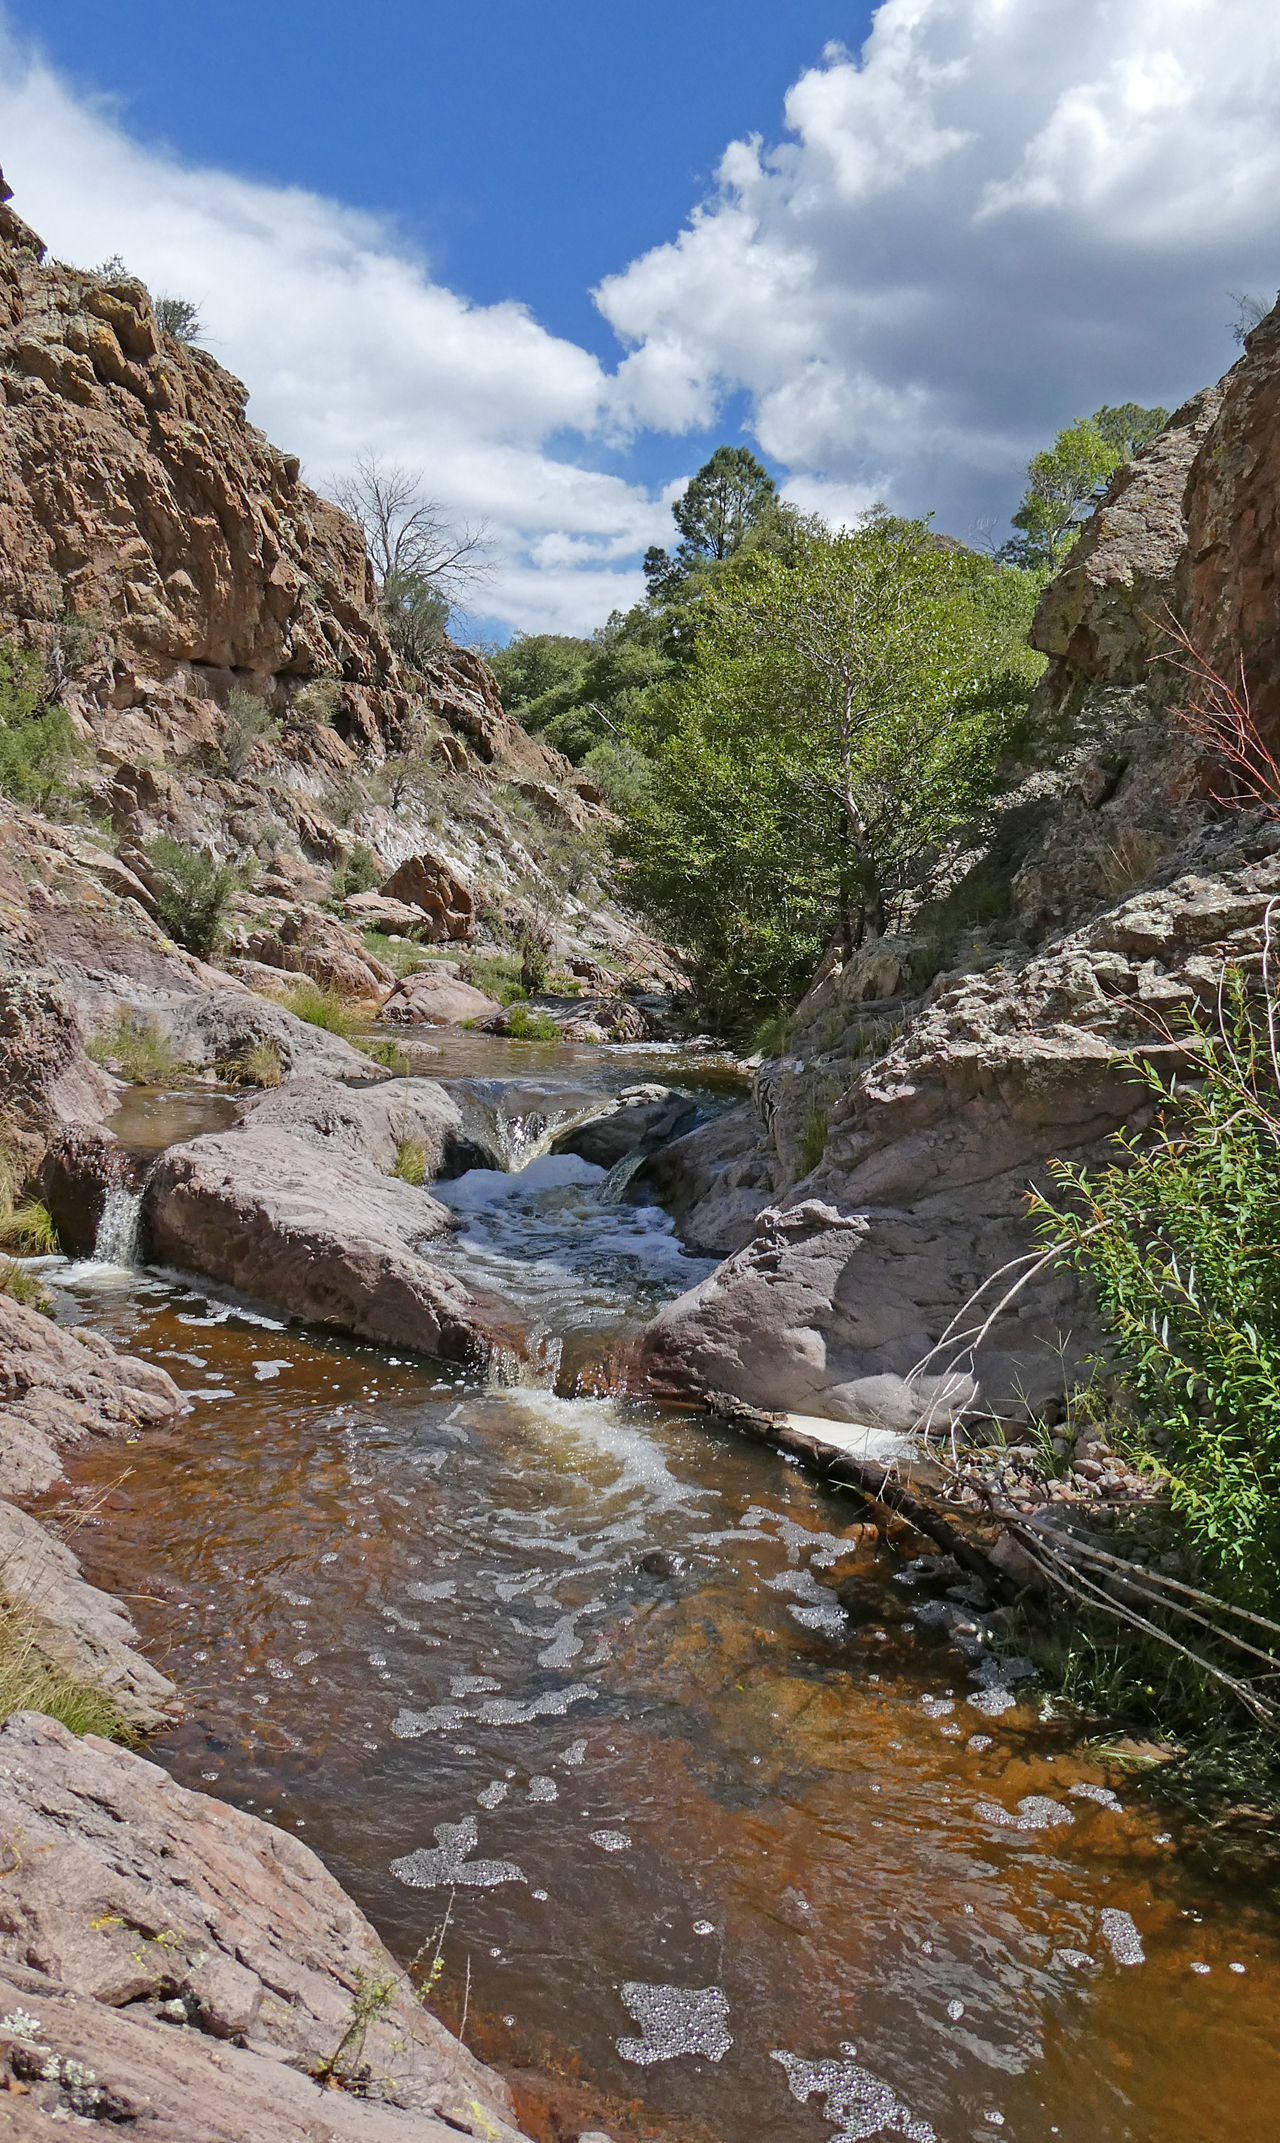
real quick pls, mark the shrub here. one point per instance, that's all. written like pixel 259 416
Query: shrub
pixel 1178 1236
pixel 527 1026
pixel 29 1230
pixel 319 701
pixel 322 1008
pixel 178 317
pixel 771 1036
pixel 246 723
pixel 38 744
pixel 359 873
pixel 192 892
pixel 22 1286
pixel 411 1161
pixel 134 1047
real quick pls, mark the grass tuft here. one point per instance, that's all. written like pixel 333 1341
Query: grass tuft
pixel 258 1064
pixel 30 1681
pixel 134 1047
pixel 411 1161
pixel 323 1008
pixel 29 1230
pixel 526 1026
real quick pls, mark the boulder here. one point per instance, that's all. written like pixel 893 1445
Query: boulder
pixel 339 1245
pixel 437 1001
pixel 375 911
pixel 432 885
pixel 191 1966
pixel 81 1165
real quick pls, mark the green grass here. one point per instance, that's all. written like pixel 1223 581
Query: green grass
pixel 29 1230
pixel 30 1681
pixel 134 1047
pixel 258 1064
pixel 390 1055
pixel 411 1161
pixel 771 1036
pixel 813 1139
pixel 323 1008
pixel 22 1286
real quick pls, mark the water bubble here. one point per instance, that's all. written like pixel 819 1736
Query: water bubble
pixel 575 1753
pixel 493 1795
pixel 862 2103
pixel 610 1841
pixel 707 1927
pixel 543 1789
pixel 1235 1968
pixel 1035 1811
pixel 1203 1969
pixel 955 2010
pixel 448 1862
pixel 674 2021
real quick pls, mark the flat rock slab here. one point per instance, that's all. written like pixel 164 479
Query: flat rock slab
pixel 183 1966
pixel 334 1242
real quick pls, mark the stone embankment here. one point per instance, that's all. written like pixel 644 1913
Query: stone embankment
pixel 949 1065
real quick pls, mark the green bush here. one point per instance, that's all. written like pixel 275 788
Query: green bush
pixel 192 893
pixel 1179 1236
pixel 526 1026
pixel 38 744
pixel 359 873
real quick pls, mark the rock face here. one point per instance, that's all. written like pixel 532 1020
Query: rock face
pixel 1117 890
pixel 187 1967
pixel 57 1389
pixel 372 1125
pixel 337 1245
pixel 432 886
pixel 641 1115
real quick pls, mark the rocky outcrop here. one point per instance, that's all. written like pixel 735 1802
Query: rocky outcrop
pixel 58 1389
pixel 170 1962
pixel 339 1245
pixel 432 886
pixel 375 1125
pixel 1114 890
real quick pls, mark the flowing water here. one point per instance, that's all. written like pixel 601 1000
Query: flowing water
pixel 726 1855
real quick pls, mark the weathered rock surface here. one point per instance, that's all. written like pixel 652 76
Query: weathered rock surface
pixel 436 1001
pixel 431 885
pixel 338 1245
pixel 1119 890
pixel 58 1389
pixel 188 1966
pixel 372 1125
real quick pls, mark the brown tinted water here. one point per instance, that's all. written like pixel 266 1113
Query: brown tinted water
pixel 744 1864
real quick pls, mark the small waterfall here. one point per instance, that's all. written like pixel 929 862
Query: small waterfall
pixel 116 1242
pixel 622 1172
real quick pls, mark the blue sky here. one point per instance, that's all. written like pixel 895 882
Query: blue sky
pixel 552 254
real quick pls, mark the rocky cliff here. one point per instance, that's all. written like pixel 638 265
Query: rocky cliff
pixel 942 1070
pixel 165 566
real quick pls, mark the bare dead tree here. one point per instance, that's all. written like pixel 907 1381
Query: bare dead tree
pixel 408 534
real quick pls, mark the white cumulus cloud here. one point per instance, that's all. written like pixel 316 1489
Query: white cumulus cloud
pixel 997 215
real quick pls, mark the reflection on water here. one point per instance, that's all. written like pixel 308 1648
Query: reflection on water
pixel 744 1858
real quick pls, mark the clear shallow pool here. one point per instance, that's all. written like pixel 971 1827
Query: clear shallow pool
pixel 729 1856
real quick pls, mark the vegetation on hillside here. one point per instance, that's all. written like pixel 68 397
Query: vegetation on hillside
pixel 38 743
pixel 1066 480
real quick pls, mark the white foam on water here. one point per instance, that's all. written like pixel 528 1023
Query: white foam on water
pixel 858 2103
pixel 1035 1811
pixel 265 1372
pixel 1121 1936
pixel 1084 1790
pixel 937 1707
pixel 675 2021
pixel 543 1789
pixel 494 1794
pixel 611 1841
pixel 574 1754
pixel 497 1711
pixel 992 1702
pixel 448 1862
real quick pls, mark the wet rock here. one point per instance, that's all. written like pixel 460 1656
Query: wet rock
pixel 659 1563
pixel 436 1001
pixel 652 1114
pixel 80 1167
pixel 335 1243
pixel 136 1903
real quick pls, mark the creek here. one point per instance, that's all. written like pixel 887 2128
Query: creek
pixel 723 1856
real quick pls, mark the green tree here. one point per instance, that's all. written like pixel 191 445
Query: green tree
pixel 842 715
pixel 38 744
pixel 192 892
pixel 716 512
pixel 1065 481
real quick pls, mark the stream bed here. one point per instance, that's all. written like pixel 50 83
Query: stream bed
pixel 732 1841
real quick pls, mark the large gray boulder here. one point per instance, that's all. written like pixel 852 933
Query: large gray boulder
pixel 334 1242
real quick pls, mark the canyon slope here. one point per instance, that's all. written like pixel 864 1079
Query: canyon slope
pixel 948 1066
